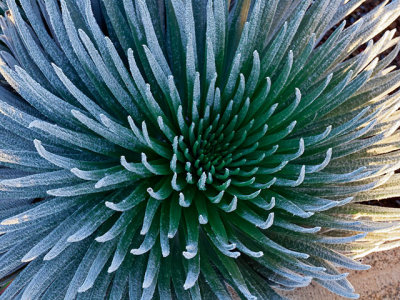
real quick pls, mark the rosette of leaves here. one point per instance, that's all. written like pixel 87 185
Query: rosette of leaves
pixel 167 149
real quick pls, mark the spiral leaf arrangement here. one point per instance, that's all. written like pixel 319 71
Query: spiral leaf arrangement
pixel 164 149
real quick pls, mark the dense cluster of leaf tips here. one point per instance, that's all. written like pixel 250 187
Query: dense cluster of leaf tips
pixel 163 149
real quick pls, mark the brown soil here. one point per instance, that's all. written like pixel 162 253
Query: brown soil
pixel 381 282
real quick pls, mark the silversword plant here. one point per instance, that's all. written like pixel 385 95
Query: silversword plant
pixel 165 149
